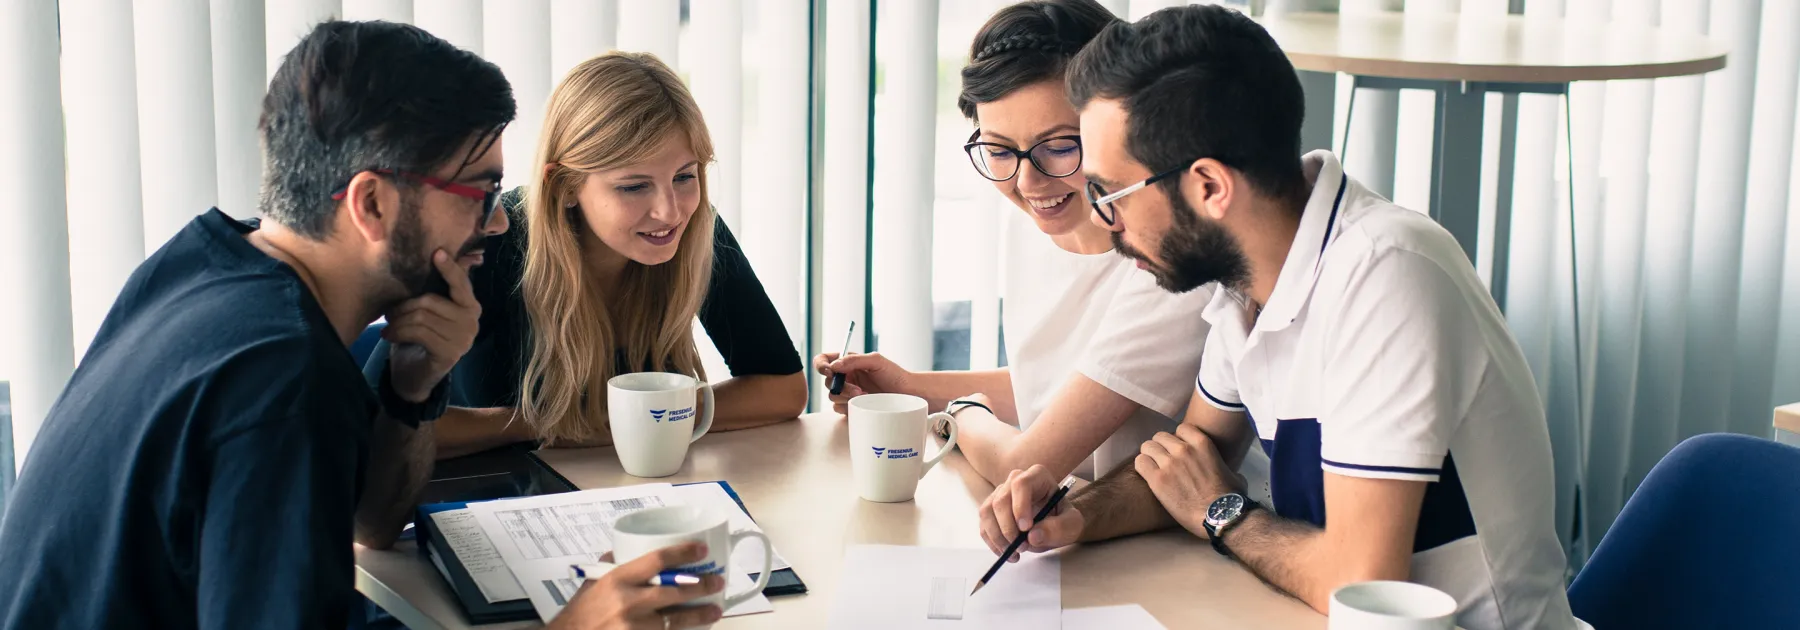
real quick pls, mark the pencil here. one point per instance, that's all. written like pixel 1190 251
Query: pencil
pixel 837 378
pixel 1061 491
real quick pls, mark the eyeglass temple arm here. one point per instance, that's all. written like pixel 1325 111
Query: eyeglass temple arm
pixel 1111 197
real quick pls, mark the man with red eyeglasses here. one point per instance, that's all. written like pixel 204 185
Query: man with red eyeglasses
pixel 213 457
pixel 216 452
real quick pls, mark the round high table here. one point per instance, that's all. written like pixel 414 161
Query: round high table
pixel 794 479
pixel 1461 60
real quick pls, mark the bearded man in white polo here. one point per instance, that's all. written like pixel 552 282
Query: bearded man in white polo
pixel 1352 339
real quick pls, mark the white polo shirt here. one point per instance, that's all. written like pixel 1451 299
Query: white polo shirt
pixel 1381 355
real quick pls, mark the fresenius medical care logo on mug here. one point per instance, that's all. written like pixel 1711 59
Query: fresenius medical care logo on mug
pixel 708 567
pixel 662 415
pixel 894 453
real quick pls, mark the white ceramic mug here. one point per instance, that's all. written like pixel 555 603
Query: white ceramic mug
pixel 645 531
pixel 1390 605
pixel 653 420
pixel 887 445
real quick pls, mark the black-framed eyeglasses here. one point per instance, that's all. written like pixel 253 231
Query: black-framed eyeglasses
pixel 1103 201
pixel 1057 157
pixel 489 197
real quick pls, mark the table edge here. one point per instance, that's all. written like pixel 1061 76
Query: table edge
pixel 1440 71
pixel 391 601
pixel 1787 418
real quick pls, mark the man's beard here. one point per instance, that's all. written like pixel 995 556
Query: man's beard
pixel 1194 251
pixel 409 260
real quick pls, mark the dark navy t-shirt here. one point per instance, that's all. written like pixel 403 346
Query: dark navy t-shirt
pixel 202 467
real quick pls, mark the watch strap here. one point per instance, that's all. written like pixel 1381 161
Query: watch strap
pixel 408 412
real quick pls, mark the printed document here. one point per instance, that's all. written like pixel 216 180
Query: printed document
pixel 477 554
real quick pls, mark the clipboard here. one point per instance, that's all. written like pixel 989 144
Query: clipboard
pixel 540 480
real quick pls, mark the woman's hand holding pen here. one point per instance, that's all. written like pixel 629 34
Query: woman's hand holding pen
pixel 864 374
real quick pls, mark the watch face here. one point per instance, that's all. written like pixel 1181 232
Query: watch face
pixel 1225 508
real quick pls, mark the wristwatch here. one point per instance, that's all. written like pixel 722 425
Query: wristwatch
pixel 1225 512
pixel 408 412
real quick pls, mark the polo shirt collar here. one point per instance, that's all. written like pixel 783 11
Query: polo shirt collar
pixel 1319 224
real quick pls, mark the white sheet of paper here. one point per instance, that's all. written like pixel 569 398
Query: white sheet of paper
pixel 1127 617
pixel 747 556
pixel 477 554
pixel 887 587
pixel 550 591
pixel 560 529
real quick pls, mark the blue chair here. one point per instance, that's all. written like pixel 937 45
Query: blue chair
pixel 1710 540
pixel 365 343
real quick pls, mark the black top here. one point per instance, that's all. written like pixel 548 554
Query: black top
pixel 736 313
pixel 202 467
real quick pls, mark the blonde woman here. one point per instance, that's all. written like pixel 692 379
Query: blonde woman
pixel 614 252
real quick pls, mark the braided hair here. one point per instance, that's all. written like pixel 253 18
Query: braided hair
pixel 1026 43
pixel 1022 41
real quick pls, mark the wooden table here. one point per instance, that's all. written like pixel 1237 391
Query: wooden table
pixel 1462 59
pixel 795 480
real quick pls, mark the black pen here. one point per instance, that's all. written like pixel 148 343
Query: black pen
pixel 1061 491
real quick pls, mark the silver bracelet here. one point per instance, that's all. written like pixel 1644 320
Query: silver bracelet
pixel 952 409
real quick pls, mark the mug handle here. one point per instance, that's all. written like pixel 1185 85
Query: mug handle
pixel 762 577
pixel 706 415
pixel 948 444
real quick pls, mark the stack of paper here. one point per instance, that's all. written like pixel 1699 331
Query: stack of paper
pixel 522 548
pixel 893 587
pixel 887 587
pixel 477 554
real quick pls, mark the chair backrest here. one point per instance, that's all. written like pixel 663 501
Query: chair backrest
pixel 1711 539
pixel 365 343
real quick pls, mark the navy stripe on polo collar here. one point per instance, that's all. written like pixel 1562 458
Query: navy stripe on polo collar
pixel 1318 226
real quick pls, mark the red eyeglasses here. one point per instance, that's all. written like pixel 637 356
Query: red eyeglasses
pixel 490 198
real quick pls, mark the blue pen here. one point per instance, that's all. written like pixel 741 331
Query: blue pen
pixel 595 570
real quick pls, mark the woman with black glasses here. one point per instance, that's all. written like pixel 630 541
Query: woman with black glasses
pixel 1099 357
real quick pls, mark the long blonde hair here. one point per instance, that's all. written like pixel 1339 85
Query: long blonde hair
pixel 610 111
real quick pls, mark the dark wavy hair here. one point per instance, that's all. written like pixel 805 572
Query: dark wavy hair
pixel 1200 81
pixel 356 96
pixel 1026 43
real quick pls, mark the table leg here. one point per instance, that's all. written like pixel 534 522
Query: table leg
pixel 1456 162
pixel 1321 103
pixel 1503 198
